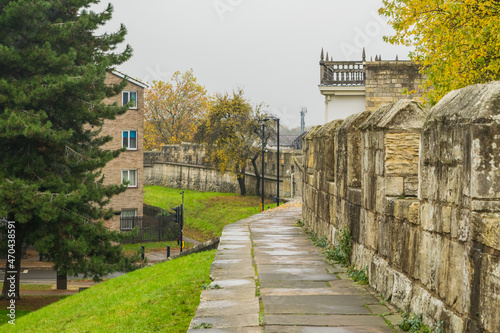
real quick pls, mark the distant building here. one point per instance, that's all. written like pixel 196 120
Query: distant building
pixel 286 142
pixel 355 86
pixel 127 131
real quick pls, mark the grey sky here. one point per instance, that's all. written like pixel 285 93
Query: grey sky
pixel 270 48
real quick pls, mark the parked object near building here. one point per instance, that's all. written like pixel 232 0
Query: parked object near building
pixel 127 131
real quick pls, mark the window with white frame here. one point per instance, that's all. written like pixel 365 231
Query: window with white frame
pixel 129 140
pixel 130 96
pixel 130 177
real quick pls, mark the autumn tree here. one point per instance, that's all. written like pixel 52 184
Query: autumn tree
pixel 173 110
pixel 53 67
pixel 456 42
pixel 231 132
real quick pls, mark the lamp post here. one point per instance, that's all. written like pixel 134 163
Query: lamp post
pixel 263 150
pixel 182 221
pixel 277 160
pixel 278 164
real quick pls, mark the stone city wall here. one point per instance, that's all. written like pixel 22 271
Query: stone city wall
pixel 185 166
pixel 420 194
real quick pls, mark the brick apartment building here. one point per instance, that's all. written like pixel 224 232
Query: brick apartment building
pixel 127 130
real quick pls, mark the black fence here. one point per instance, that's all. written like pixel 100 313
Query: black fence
pixel 157 225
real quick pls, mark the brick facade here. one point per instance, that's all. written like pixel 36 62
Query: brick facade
pixel 133 120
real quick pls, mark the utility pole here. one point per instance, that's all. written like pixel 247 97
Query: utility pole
pixel 303 113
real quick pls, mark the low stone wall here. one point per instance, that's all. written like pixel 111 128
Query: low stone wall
pixel 185 167
pixel 420 193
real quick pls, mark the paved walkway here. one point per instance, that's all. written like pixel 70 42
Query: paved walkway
pixel 269 277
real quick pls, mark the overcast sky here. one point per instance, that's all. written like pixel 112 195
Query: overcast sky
pixel 270 48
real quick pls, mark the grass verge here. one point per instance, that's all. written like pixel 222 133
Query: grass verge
pixel 163 297
pixel 206 212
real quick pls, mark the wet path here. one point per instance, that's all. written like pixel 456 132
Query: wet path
pixel 269 277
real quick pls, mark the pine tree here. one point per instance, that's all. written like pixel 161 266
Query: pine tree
pixel 52 71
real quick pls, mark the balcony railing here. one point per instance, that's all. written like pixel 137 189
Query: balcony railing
pixel 343 73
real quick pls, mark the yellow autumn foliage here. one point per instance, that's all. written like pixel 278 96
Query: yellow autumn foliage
pixel 457 43
pixel 173 110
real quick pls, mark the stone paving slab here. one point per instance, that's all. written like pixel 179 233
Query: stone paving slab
pixel 223 294
pixel 302 292
pixel 293 284
pixel 297 277
pixel 235 321
pixel 291 269
pixel 347 329
pixel 227 307
pixel 256 329
pixel 313 305
pixel 324 320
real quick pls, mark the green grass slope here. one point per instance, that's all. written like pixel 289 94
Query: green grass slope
pixel 160 298
pixel 206 212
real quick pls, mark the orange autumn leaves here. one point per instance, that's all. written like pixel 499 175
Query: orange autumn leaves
pixel 173 110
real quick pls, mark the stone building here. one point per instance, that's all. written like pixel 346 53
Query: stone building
pixel 355 86
pixel 127 131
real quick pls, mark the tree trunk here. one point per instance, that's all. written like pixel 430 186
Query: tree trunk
pixel 15 236
pixel 257 175
pixel 241 182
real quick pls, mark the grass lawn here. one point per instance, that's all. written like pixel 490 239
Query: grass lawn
pixel 206 212
pixel 160 298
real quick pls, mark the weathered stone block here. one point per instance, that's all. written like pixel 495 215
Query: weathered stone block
pixel 394 186
pixel 371 230
pixel 454 285
pixel 385 224
pixel 380 194
pixel 428 216
pixel 489 291
pixel 410 186
pixel 446 218
pixel 487 228
pixel 434 311
pixel 402 291
pixel 430 259
pixel 485 168
pixel 381 277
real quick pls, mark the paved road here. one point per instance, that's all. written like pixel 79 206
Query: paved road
pixel 46 276
pixel 267 275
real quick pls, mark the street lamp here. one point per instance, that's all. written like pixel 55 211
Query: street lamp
pixel 263 151
pixel 277 161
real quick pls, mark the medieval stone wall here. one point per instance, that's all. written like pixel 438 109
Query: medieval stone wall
pixel 420 194
pixel 186 166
